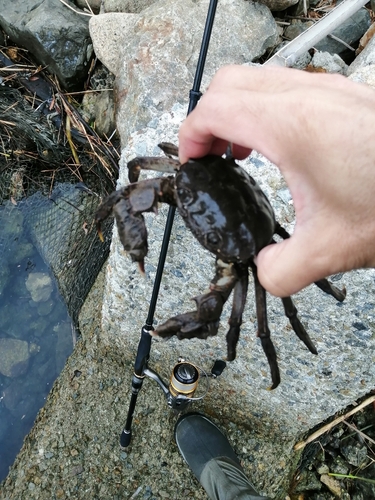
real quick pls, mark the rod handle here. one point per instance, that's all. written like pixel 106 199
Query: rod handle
pixel 125 438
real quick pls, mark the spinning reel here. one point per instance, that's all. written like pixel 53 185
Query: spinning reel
pixel 182 387
pixel 184 381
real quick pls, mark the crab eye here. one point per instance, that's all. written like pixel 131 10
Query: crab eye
pixel 213 238
pixel 184 195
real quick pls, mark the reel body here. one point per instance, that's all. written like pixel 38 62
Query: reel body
pixel 184 380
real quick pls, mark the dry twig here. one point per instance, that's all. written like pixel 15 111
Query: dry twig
pixel 74 10
pixel 362 434
pixel 328 427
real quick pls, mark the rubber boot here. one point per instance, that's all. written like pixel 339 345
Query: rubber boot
pixel 212 459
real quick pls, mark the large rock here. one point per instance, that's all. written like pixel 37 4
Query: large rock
pixel 300 8
pixel 279 4
pixel 154 54
pixel 362 70
pixel 57 37
pixel 133 6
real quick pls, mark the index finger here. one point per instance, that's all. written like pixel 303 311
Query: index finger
pixel 196 149
pixel 249 107
pixel 208 128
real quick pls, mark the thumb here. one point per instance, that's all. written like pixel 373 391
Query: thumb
pixel 289 266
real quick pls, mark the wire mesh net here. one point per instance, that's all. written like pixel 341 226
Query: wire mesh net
pixel 54 197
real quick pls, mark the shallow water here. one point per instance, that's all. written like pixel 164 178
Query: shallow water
pixel 36 333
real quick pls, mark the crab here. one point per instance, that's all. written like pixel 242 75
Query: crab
pixel 229 214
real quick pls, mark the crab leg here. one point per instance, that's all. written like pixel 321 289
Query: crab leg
pixel 158 163
pixel 263 330
pixel 169 149
pixel 291 313
pixel 327 287
pixel 235 320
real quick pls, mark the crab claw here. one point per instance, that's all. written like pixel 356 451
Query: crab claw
pixel 202 323
pixel 186 326
pixel 132 231
pixel 130 224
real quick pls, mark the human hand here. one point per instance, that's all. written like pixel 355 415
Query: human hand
pixel 319 130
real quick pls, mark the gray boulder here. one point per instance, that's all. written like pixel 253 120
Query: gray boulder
pixel 57 37
pixel 279 4
pixel 349 32
pixel 154 54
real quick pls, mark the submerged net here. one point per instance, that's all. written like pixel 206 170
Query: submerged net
pixel 54 196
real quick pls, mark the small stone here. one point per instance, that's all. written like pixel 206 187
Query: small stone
pixel 339 466
pixel 330 63
pixel 33 348
pixel 15 355
pixel 99 107
pixel 40 286
pixel 308 481
pixel 332 484
pixel 322 469
pixel 355 454
pixel 359 325
pixel 295 29
pixel 94 5
pixel 78 469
